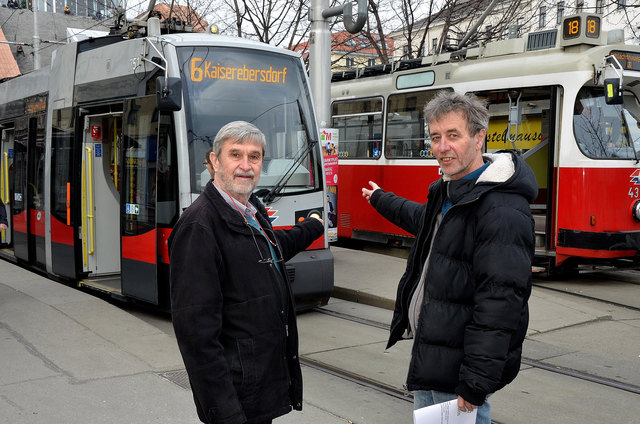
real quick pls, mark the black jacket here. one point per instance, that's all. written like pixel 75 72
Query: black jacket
pixel 3 214
pixel 474 315
pixel 233 311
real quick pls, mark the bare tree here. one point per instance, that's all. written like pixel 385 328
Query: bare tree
pixel 376 20
pixel 280 23
pixel 415 22
pixel 460 16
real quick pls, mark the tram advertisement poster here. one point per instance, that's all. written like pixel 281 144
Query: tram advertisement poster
pixel 329 139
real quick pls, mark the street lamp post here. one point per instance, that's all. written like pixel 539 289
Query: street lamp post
pixel 36 36
pixel 320 50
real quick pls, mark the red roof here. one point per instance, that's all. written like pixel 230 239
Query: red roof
pixel 8 64
pixel 345 42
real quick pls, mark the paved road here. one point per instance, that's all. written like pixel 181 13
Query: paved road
pixel 69 357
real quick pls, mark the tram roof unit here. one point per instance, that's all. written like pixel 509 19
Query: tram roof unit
pixel 108 62
pixel 537 53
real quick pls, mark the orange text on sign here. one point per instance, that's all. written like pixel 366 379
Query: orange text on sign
pixel 205 69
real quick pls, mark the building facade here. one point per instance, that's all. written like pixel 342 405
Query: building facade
pixel 509 19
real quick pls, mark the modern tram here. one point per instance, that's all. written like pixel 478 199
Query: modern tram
pixel 566 99
pixel 102 151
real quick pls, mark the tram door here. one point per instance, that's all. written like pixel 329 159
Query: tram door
pixel 525 118
pixel 28 191
pixel 100 208
pixel 6 168
pixel 138 210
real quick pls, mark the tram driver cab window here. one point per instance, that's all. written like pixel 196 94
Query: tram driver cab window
pixel 359 123
pixel 605 131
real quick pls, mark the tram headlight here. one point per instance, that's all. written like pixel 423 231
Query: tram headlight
pixel 635 210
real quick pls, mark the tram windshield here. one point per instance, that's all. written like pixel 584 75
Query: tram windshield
pixel 607 131
pixel 224 84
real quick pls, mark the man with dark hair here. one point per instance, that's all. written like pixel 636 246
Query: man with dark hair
pixel 463 297
pixel 231 301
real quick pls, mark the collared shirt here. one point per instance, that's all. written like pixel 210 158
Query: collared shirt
pixel 249 212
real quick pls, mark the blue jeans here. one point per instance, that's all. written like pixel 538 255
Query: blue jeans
pixel 422 398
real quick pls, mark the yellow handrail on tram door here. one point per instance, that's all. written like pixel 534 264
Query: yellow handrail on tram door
pixel 115 150
pixel 4 188
pixel 90 215
pixel 84 215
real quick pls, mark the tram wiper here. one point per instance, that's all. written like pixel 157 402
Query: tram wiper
pixel 297 161
pixel 270 195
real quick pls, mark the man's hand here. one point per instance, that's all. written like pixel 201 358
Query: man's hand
pixel 465 406
pixel 316 216
pixel 3 227
pixel 366 193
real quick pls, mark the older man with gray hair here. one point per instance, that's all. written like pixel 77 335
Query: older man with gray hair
pixel 231 301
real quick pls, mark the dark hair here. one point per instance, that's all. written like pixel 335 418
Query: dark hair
pixel 474 109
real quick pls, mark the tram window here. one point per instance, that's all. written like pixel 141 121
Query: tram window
pixel 140 127
pixel 21 136
pixel 605 131
pixel 167 177
pixel 359 123
pixel 38 195
pixel 407 132
pixel 221 85
pixel 62 160
pixel 533 105
pixel 532 133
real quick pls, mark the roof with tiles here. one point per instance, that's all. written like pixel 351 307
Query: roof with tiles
pixel 8 64
pixel 345 42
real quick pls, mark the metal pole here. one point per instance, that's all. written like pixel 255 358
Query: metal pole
pixel 36 36
pixel 320 50
pixel 320 61
pixel 475 27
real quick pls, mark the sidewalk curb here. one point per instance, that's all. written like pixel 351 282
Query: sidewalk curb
pixel 363 298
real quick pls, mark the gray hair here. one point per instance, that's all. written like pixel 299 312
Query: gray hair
pixel 474 109
pixel 239 132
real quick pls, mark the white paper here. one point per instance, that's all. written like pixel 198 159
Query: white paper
pixel 444 413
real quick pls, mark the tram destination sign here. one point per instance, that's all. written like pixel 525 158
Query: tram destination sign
pixel 576 26
pixel 628 60
pixel 205 70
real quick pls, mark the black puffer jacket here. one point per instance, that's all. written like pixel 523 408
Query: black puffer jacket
pixel 474 315
pixel 233 312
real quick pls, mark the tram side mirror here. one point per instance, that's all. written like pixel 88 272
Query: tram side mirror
pixel 612 92
pixel 169 95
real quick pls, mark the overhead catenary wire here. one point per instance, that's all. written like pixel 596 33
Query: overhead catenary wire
pixel 52 43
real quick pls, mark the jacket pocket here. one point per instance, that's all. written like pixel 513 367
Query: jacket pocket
pixel 243 369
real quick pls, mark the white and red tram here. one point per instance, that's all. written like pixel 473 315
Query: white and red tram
pixel 566 99
pixel 97 166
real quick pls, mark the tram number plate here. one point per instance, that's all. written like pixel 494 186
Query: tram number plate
pixel 634 192
pixel 132 209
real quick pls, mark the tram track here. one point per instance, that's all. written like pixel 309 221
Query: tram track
pixel 359 379
pixel 580 375
pixel 586 296
pixel 609 286
pixel 595 275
